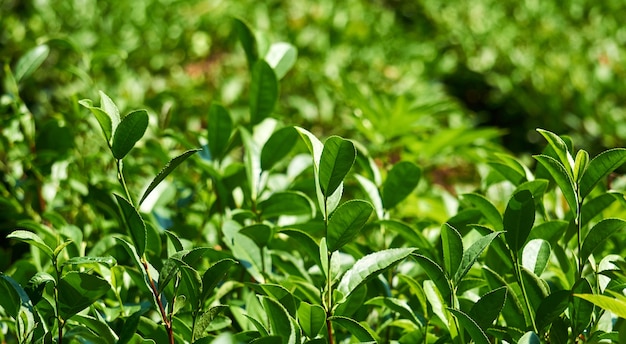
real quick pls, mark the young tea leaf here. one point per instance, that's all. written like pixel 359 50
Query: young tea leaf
pixel 311 318
pixel 600 167
pixel 613 305
pixel 346 223
pixel 562 179
pixel 167 169
pixel 452 246
pixel 370 266
pixel 102 117
pixel 108 106
pixel 529 338
pixel 401 180
pixel 580 165
pixel 219 130
pixel 560 147
pixel 489 211
pixel 518 219
pixel 134 223
pixel 337 158
pixel 281 57
pixel 263 91
pixel 128 132
pixel 472 253
pixel 436 275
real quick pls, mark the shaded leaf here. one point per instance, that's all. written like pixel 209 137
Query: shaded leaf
pixel 551 308
pixel 78 290
pixel 598 234
pixel 472 253
pixel 219 130
pixel 128 132
pixel 489 211
pixel 214 275
pixel 562 179
pixel 487 309
pixel 581 310
pixel 477 334
pixel 278 146
pixel 263 91
pixel 529 338
pixel 452 245
pixel 337 158
pixel 600 167
pixel 346 223
pixel 285 203
pixel 134 223
pixel 518 219
pixel 401 180
pixel 260 233
pixel 280 322
pixel 356 329
pixel 248 41
pixel 10 300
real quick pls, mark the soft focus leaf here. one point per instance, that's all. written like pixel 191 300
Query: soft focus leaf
pixel 167 169
pixel 28 63
pixel 311 318
pixel 219 130
pixel 263 91
pixel 281 57
pixel 562 179
pixel 400 182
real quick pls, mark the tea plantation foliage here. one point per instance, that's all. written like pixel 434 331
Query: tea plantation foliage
pixel 312 172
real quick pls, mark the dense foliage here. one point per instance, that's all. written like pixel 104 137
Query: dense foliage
pixel 294 172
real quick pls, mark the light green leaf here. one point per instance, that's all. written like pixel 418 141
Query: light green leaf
pixel 396 305
pixel 31 239
pixel 436 275
pixel 477 334
pixel 518 219
pixel 581 310
pixel 214 275
pixel 102 117
pixel 108 106
pixel 400 182
pixel 336 160
pixel 285 203
pixel 598 234
pixel 536 255
pixel 219 130
pixel 134 223
pixel 452 246
pixel 437 302
pixel 280 322
pixel 472 253
pixel 356 329
pixel 561 150
pixel 263 91
pixel 580 165
pixel 28 63
pixel 487 309
pixel 281 57
pixel 413 236
pixel 278 146
pixel 346 223
pixel 489 211
pixel 600 167
pixel 311 318
pixel 529 338
pixel 248 41
pixel 616 306
pixel 167 169
pixel 373 194
pixel 78 290
pixel 551 308
pixel 190 285
pixel 370 266
pixel 562 179
pixel 87 260
pixel 130 130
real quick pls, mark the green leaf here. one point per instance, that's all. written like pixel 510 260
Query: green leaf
pixel 512 310
pixel 248 41
pixel 518 219
pixel 134 223
pixel 10 300
pixel 598 234
pixel 489 211
pixel 356 329
pixel 206 318
pixel 190 285
pixel 401 180
pixel 86 260
pixel 312 318
pixel 373 194
pixel 108 106
pixel 477 334
pixel 278 146
pixel 346 223
pixel 370 266
pixel 214 275
pixel 130 130
pixel 31 239
pixel 280 322
pixel 78 290
pixel 167 169
pixel 529 338
pixel 472 253
pixel 413 236
pixel 285 203
pixel 487 309
pixel 219 130
pixel 581 310
pixel 99 329
pixel 562 179
pixel 536 255
pixel 551 308
pixel 436 275
pixel 452 245
pixel 28 63
pixel 580 165
pixel 396 305
pixel 600 167
pixel 437 303
pixel 337 158
pixel 260 233
pixel 616 306
pixel 37 284
pixel 561 150
pixel 281 57
pixel 263 91
pixel 536 288
pixel 102 117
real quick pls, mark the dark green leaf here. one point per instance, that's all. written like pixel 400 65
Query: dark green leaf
pixel 128 132
pixel 78 290
pixel 452 245
pixel 599 167
pixel 248 41
pixel 337 158
pixel 219 130
pixel 311 318
pixel 37 284
pixel 278 146
pixel 436 274
pixel 214 275
pixel 134 223
pixel 10 300
pixel 260 233
pixel 281 56
pixel 396 305
pixel 280 323
pixel 518 219
pixel 487 309
pixel 31 239
pixel 489 211
pixel 285 203
pixel 598 235
pixel 190 285
pixel 581 310
pixel 561 150
pixel 401 180
pixel 551 308
pixel 512 310
pixel 306 244
pixel 472 253
pixel 477 334
pixel 277 293
pixel 167 169
pixel 356 329
pixel 28 63
pixel 413 236
pixel 205 320
pixel 536 288
pixel 370 266
pixel 562 179
pixel 263 91
pixel 346 223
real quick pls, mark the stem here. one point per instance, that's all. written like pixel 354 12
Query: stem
pixel 518 275
pixel 329 294
pixel 122 180
pixel 166 320
pixel 579 228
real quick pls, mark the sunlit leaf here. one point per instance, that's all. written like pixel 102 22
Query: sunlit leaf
pixel 28 63
pixel 336 160
pixel 487 309
pixel 472 253
pixel 562 179
pixel 535 256
pixel 346 223
pixel 311 318
pixel 489 211
pixel 128 132
pixel 167 169
pixel 281 56
pixel 616 306
pixel 263 91
pixel 477 334
pixel 598 234
pixel 400 182
pixel 599 167
pixel 356 329
pixel 31 239
pixel 452 246
pixel 78 290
